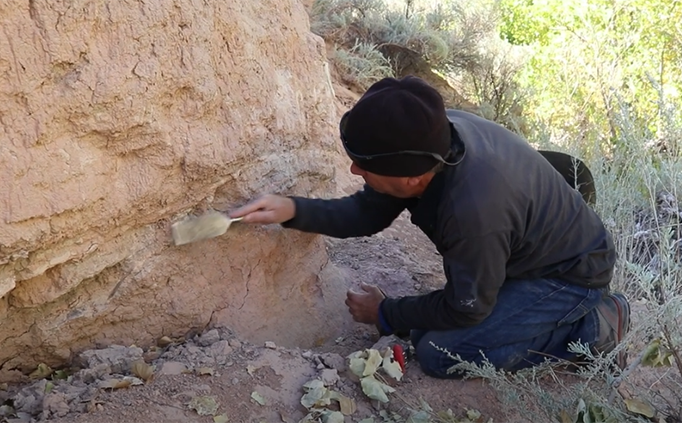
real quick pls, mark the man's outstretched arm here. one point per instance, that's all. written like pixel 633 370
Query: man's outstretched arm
pixel 361 214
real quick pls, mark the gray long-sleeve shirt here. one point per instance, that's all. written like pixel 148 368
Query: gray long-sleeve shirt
pixel 503 213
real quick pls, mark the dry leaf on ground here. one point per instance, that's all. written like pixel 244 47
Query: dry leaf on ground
pixel 204 405
pixel 143 370
pixel 258 398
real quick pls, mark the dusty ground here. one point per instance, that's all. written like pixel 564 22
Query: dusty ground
pixel 222 367
pixel 401 260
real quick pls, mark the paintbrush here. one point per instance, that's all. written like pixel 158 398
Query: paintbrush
pixel 209 225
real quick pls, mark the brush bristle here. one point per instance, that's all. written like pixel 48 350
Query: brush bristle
pixel 194 229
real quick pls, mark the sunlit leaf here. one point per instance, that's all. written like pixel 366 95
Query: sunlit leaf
pixel 164 341
pixel 317 394
pixel 357 366
pixel 115 383
pixel 657 355
pixel 391 367
pixel 640 407
pixel 258 398
pixel 564 417
pixel 375 389
pixel 347 405
pixel 204 405
pixel 41 372
pixel 143 370
pixel 332 417
pixel 203 371
pixel 373 362
pixel 473 415
pixel 419 417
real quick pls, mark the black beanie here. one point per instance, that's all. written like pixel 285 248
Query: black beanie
pixel 395 115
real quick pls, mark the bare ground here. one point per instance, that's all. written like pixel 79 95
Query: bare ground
pixel 401 260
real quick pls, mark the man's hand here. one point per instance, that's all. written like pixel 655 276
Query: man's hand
pixel 364 306
pixel 267 209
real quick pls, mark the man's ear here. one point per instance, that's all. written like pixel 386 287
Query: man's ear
pixel 413 181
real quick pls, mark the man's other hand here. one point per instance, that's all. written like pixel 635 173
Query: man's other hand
pixel 364 306
pixel 267 209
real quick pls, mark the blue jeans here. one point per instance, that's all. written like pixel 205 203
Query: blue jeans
pixel 533 320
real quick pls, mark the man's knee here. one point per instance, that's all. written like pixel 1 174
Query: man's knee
pixel 436 360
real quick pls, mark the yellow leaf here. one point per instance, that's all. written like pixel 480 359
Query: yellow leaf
pixel 220 419
pixel 41 372
pixel 564 417
pixel 115 383
pixel 164 341
pixel 204 405
pixel 373 361
pixel 375 389
pixel 143 370
pixel 205 371
pixel 640 407
pixel 347 405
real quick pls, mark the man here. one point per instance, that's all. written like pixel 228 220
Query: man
pixel 527 261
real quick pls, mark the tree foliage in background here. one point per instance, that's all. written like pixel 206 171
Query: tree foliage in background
pixel 591 59
pixel 456 39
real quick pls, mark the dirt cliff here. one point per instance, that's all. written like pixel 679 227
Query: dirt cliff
pixel 119 118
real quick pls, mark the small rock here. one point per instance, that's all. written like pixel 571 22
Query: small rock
pixel 172 368
pixel 307 354
pixel 118 357
pixel 28 403
pixel 271 345
pixel 209 338
pixel 73 392
pixel 387 341
pixel 329 377
pixel 221 348
pixel 150 356
pixel 93 374
pixel 321 366
pixel 235 381
pixel 234 343
pixel 192 350
pixel 334 361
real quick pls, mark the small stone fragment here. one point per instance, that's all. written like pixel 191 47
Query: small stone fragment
pixel 307 354
pixel 234 343
pixel 271 345
pixel 221 348
pixel 334 361
pixel 55 404
pixel 209 338
pixel 329 377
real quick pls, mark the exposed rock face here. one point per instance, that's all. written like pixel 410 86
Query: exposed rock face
pixel 120 117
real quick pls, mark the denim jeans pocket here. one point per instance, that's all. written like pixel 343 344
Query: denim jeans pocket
pixel 590 300
pixel 577 313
